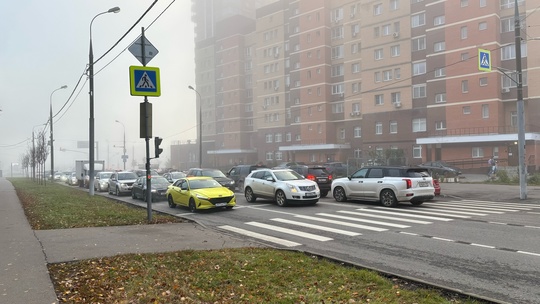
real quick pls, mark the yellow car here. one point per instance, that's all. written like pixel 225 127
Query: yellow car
pixel 198 193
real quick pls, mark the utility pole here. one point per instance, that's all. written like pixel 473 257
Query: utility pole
pixel 520 107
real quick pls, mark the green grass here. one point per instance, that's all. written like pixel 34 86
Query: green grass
pixel 55 206
pixel 241 275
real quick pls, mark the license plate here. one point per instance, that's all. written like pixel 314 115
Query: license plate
pixel 322 179
pixel 423 184
pixel 310 194
pixel 221 204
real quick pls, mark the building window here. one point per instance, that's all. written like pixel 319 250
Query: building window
pixel 268 138
pixel 342 133
pixel 439 46
pixel 507 24
pixel 279 155
pixel 440 72
pixel 418 20
pixel 397 73
pixel 387 75
pixel 355 68
pixel 337 108
pixel 377 77
pixel 464 56
pixel 482 26
pixel 377 9
pixel 440 97
pixel 419 44
pixel 419 125
pixel 482 3
pixel 338 89
pixel 485 111
pixel 513 118
pixel 419 91
pixel 466 110
pixel 395 50
pixel 378 128
pixel 337 32
pixel 269 155
pixel 354 48
pixel 464 86
pixel 379 99
pixel 417 151
pixel 477 152
pixel 439 20
pixel 378 53
pixel 357 132
pixel 483 81
pixel 508 52
pixel 440 125
pixel 297 137
pixel 337 70
pixel 393 127
pixel 337 52
pixel 394 5
pixel 278 137
pixel 419 68
pixel 357 153
pixel 396 98
pixel 376 32
pixel 464 32
pixel 355 87
pixel 464 3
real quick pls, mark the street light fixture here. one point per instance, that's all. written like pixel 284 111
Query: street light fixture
pixel 123 155
pixel 200 126
pixel 91 94
pixel 52 138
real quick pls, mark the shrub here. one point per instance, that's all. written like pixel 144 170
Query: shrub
pixel 503 177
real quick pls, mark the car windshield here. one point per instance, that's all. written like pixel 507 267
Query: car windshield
pixel 417 173
pixel 103 175
pixel 161 181
pixel 177 175
pixel 127 175
pixel 213 173
pixel 287 175
pixel 204 183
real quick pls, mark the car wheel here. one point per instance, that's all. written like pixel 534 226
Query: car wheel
pixel 250 197
pixel 281 199
pixel 339 194
pixel 99 188
pixel 324 193
pixel 171 202
pixel 388 199
pixel 417 203
pixel 192 206
pixel 240 187
pixel 133 196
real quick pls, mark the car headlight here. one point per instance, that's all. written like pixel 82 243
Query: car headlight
pixel 292 188
pixel 202 197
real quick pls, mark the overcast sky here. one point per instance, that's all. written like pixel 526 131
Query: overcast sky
pixel 45 45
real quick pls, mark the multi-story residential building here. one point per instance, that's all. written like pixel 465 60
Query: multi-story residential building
pixel 367 81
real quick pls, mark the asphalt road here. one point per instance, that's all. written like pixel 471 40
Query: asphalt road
pixel 480 240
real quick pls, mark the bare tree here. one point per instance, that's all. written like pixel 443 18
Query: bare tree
pixel 25 163
pixel 42 152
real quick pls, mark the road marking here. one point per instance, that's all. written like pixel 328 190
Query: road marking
pixel 386 217
pixel 529 253
pixel 442 239
pixel 341 223
pixel 480 245
pixel 481 206
pixel 415 215
pixel 450 210
pixel 364 221
pixel 465 208
pixel 302 224
pixel 500 204
pixel 261 236
pixel 291 231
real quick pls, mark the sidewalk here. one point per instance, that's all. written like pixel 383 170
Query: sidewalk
pixel 25 253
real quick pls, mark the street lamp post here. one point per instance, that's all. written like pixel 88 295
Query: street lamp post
pixel 52 138
pixel 200 125
pixel 124 146
pixel 91 94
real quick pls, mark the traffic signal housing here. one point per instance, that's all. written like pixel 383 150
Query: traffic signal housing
pixel 157 142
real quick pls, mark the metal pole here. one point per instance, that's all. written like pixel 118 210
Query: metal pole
pixel 52 138
pixel 520 107
pixel 124 147
pixel 147 139
pixel 200 125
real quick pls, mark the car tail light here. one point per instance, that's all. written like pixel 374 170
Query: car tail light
pixel 330 177
pixel 408 182
pixel 311 177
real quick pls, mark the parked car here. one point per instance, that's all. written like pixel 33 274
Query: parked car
pixel 101 182
pixel 284 186
pixel 142 172
pixel 337 169
pixel 121 182
pixel 238 174
pixel 174 176
pixel 158 184
pixel 441 168
pixel 388 185
pixel 317 174
pixel 215 174
pixel 200 192
pixel 72 179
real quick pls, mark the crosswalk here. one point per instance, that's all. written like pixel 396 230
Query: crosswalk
pixel 368 219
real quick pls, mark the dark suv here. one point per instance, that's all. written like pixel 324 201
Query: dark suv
pixel 215 174
pixel 318 174
pixel 239 172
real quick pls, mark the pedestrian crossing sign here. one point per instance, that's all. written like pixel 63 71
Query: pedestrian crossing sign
pixel 484 60
pixel 144 81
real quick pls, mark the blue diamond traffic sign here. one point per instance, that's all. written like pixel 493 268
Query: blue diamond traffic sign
pixel 144 81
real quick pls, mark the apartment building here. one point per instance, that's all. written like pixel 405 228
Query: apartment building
pixel 364 81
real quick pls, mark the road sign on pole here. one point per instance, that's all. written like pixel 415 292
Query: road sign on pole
pixel 144 81
pixel 484 60
pixel 137 50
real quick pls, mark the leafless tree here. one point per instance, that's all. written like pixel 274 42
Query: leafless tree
pixel 42 152
pixel 25 163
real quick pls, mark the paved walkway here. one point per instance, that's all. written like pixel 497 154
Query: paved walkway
pixel 25 253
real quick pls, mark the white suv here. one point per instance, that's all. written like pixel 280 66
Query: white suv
pixel 389 185
pixel 282 185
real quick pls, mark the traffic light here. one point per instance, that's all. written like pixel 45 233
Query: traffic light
pixel 157 142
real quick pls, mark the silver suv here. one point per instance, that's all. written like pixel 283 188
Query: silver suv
pixel 122 182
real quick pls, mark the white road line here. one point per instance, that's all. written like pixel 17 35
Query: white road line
pixel 529 253
pixel 484 246
pixel 261 236
pixel 535 227
pixel 364 221
pixel 409 233
pixel 291 231
pixel 386 217
pixel 482 206
pixel 402 212
pixel 473 209
pixel 442 239
pixel 302 224
pixel 500 204
pixel 450 210
pixel 341 223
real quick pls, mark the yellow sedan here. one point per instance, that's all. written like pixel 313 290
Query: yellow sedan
pixel 198 193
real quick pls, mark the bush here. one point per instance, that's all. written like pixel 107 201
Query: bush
pixel 534 179
pixel 503 177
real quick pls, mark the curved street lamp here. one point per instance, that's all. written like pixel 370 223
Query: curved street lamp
pixel 115 9
pixel 52 138
pixel 200 126
pixel 124 150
